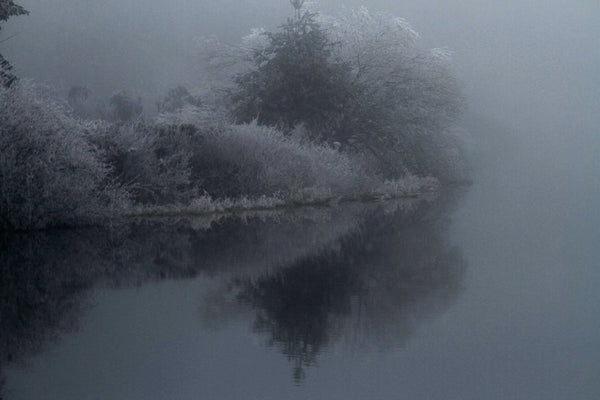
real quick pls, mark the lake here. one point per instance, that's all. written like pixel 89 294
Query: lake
pixel 487 292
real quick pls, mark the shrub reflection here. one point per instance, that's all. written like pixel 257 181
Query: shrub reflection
pixel 370 291
pixel 312 278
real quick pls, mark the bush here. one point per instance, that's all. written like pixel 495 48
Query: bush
pixel 50 175
pixel 152 162
pixel 57 170
pixel 252 160
pixel 267 162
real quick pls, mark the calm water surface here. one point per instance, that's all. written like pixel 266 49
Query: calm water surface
pixel 490 293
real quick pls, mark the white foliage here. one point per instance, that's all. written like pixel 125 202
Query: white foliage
pixel 220 62
pixel 371 40
pixel 266 161
pixel 256 40
pixel 49 173
pixel 442 54
pixel 153 164
pixel 407 91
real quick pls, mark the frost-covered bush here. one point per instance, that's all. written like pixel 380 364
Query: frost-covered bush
pixel 251 160
pixel 152 162
pixel 267 162
pixel 50 175
pixel 196 152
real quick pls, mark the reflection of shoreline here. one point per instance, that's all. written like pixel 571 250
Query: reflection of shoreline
pixel 371 289
pixel 47 277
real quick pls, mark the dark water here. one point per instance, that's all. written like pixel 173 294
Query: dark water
pixel 486 293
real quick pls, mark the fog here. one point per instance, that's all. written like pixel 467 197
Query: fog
pixel 532 64
pixel 527 228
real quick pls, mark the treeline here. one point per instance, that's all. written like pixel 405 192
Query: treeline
pixel 318 109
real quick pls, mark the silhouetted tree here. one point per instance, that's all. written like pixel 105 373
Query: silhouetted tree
pixel 176 99
pixel 296 79
pixel 124 108
pixel 84 103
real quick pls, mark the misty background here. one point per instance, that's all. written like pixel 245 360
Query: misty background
pixel 528 228
pixel 529 68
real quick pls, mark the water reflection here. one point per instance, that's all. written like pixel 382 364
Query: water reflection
pixel 369 290
pixel 356 274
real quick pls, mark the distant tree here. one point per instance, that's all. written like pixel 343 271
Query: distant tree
pixel 124 108
pixel 78 95
pixel 83 103
pixel 176 99
pixel 8 9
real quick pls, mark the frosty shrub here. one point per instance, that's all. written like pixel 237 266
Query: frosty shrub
pixel 264 161
pixel 152 162
pixel 181 156
pixel 50 175
pixel 252 160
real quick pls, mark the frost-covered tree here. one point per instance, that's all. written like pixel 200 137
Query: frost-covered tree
pixel 8 9
pixel 358 80
pixel 406 97
pixel 295 80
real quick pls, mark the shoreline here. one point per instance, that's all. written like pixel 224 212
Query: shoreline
pixel 231 207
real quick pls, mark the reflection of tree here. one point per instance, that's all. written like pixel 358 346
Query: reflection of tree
pixel 370 291
pixel 294 307
pixel 313 278
pixel 46 277
pixel 41 282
